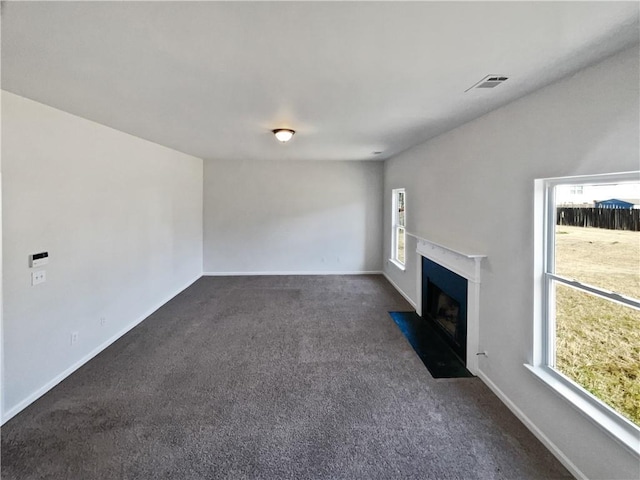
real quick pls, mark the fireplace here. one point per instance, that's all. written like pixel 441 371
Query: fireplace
pixel 445 311
pixel 444 300
pixel 448 292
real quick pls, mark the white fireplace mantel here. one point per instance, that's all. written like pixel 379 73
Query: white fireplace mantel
pixel 467 266
pixel 464 264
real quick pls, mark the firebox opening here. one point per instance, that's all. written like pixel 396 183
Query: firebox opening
pixel 445 311
pixel 444 301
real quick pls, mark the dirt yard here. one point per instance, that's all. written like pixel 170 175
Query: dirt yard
pixel 598 341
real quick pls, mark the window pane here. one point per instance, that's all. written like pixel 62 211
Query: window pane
pixel 401 209
pixel 608 259
pixel 597 239
pixel 400 243
pixel 598 347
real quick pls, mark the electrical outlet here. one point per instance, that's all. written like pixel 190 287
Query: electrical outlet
pixel 74 338
pixel 38 277
pixel 103 321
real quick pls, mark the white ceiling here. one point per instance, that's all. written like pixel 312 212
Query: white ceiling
pixel 213 78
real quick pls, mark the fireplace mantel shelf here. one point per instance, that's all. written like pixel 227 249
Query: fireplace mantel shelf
pixel 464 264
pixel 468 255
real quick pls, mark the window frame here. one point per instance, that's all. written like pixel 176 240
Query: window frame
pixel 543 358
pixel 395 227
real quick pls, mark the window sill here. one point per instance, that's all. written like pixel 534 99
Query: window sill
pixel 618 427
pixel 398 264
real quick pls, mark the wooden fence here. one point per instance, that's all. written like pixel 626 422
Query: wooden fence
pixel 611 218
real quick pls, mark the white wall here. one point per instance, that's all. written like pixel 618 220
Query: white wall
pixel 287 216
pixel 121 219
pixel 472 189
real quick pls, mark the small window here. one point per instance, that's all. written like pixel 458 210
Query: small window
pixel 398 227
pixel 590 294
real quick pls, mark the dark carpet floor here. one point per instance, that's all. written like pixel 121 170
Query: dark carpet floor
pixel 270 378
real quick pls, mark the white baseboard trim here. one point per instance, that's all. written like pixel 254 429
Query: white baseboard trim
pixel 562 458
pixel 56 380
pixel 253 274
pixel 406 297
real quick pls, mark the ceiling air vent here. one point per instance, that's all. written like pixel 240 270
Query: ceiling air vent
pixel 490 81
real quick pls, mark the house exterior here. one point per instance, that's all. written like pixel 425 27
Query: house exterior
pixel 617 203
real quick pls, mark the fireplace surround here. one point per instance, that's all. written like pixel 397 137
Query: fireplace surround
pixel 466 266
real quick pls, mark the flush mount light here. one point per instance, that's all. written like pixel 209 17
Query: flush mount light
pixel 283 134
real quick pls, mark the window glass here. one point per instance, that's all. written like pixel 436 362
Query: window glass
pixel 599 246
pixel 598 347
pixel 401 236
pixel 595 334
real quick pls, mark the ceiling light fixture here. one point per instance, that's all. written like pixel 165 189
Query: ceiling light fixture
pixel 283 134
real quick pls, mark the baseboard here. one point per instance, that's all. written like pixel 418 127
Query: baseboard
pixel 320 272
pixel 406 297
pixel 562 458
pixel 56 380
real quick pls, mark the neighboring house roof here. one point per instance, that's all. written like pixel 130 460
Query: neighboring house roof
pixel 626 203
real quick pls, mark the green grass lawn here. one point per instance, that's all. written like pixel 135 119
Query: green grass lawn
pixel 598 341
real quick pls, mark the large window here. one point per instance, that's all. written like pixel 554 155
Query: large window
pixel 398 227
pixel 588 338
